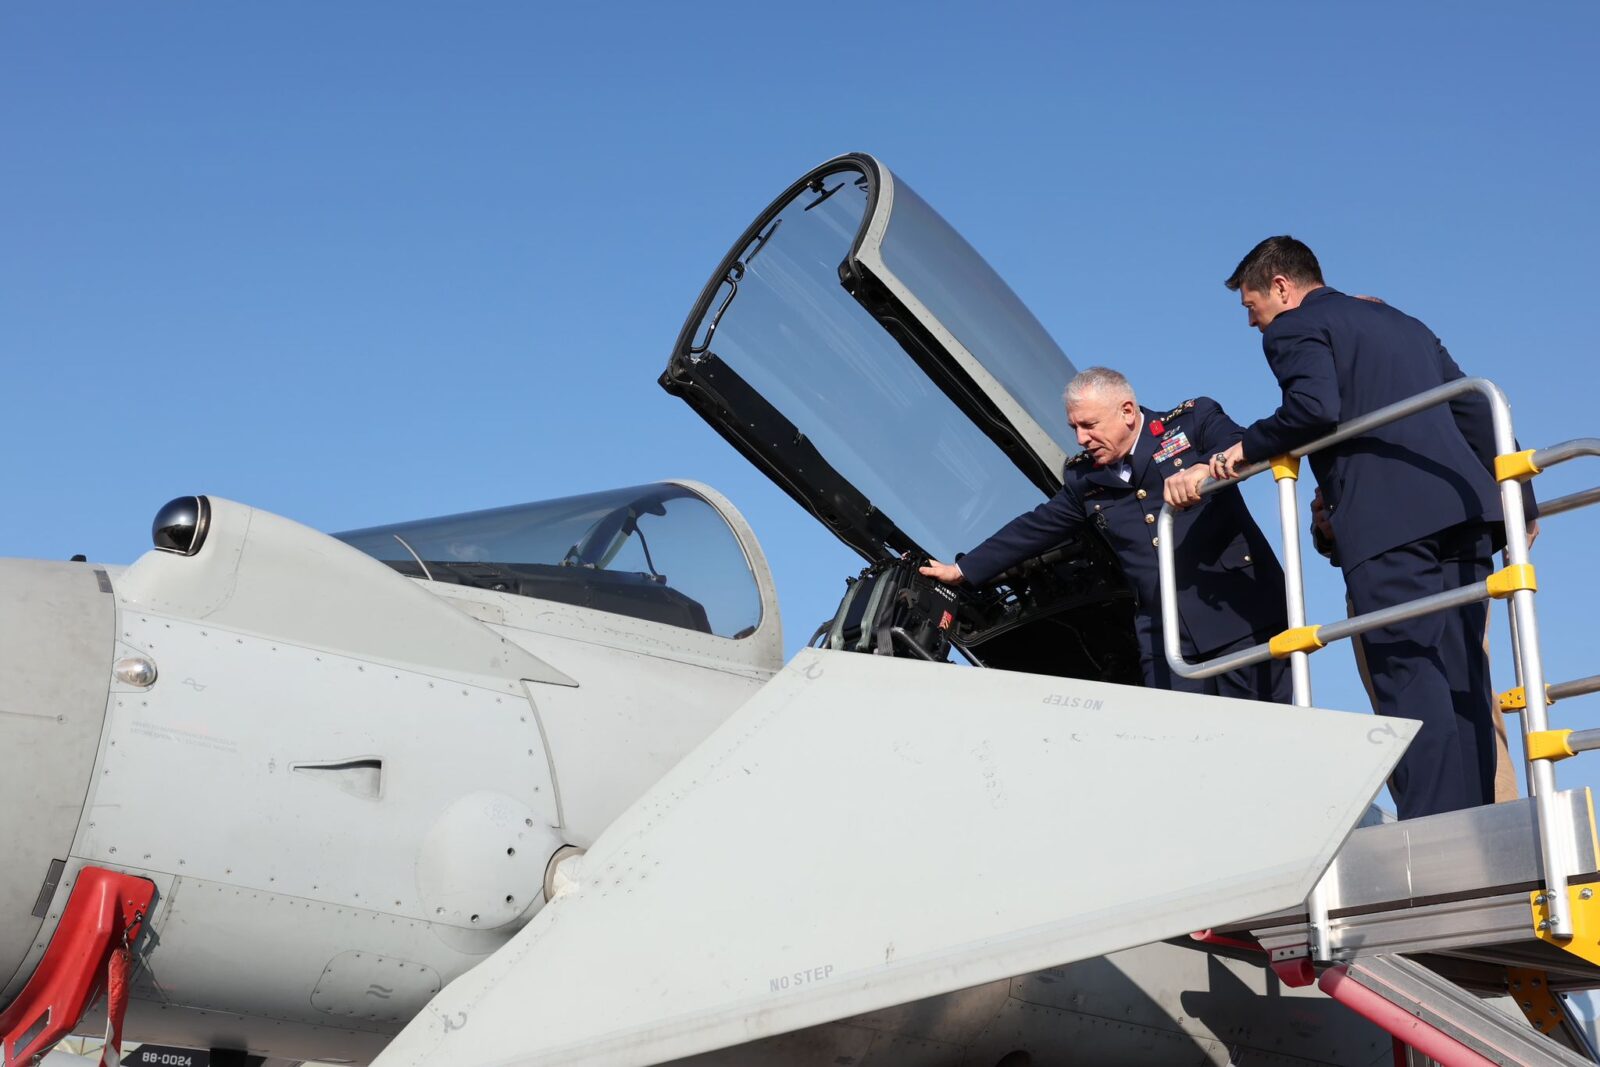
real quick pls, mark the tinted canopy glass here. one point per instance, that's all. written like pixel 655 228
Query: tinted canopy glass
pixel 657 552
pixel 977 307
pixel 781 320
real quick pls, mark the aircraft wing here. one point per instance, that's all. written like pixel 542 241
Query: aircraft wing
pixel 868 831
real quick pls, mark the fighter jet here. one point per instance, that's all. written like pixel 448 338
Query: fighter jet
pixel 535 784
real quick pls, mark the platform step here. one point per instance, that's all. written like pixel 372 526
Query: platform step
pixel 1458 884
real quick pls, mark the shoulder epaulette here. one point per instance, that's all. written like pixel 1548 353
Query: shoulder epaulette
pixel 1179 410
pixel 1079 459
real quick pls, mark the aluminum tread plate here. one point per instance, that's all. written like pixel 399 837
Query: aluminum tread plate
pixel 1458 882
pixel 1458 852
pixel 867 832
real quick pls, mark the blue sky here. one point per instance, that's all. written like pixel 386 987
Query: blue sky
pixel 361 263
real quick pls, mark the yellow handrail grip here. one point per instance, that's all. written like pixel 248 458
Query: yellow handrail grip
pixel 1285 467
pixel 1550 744
pixel 1516 466
pixel 1298 639
pixel 1502 583
pixel 1517 699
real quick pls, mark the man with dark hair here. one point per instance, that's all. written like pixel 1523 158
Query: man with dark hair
pixel 1275 257
pixel 1230 587
pixel 1413 506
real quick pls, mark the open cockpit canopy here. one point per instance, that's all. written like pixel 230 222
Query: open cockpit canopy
pixel 857 350
pixel 659 552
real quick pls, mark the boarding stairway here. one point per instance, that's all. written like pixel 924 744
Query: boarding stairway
pixel 1438 917
pixel 1456 933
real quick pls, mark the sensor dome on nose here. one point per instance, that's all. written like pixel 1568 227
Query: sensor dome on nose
pixel 181 524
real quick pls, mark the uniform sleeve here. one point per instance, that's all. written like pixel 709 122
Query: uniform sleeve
pixel 1473 418
pixel 1025 536
pixel 1216 431
pixel 1470 410
pixel 1302 361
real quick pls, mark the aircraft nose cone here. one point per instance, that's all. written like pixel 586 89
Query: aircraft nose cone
pixel 57 636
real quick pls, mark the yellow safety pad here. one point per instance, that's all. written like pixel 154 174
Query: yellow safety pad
pixel 1285 467
pixel 1299 639
pixel 1507 580
pixel 1517 700
pixel 1585 941
pixel 1515 465
pixel 1531 990
pixel 1549 744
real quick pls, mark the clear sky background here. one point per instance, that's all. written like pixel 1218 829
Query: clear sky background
pixel 358 263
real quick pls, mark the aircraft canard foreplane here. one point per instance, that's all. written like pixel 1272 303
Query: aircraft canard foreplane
pixel 535 784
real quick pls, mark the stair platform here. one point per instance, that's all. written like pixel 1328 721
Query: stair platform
pixel 1460 884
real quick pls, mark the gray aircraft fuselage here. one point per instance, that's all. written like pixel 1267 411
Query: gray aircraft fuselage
pixel 346 785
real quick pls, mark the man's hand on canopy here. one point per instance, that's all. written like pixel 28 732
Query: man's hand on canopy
pixel 948 573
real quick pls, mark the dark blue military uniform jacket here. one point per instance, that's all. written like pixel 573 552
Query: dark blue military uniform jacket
pixel 1338 357
pixel 1230 586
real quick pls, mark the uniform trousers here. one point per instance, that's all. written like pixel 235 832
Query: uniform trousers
pixel 1505 775
pixel 1433 668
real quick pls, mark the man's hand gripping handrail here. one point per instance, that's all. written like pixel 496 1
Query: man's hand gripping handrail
pixel 1511 493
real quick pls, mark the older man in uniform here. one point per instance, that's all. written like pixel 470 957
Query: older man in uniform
pixel 1413 506
pixel 1230 587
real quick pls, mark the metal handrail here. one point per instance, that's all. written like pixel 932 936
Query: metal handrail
pixel 1571 502
pixel 1545 458
pixel 1540 460
pixel 1300 640
pixel 1575 688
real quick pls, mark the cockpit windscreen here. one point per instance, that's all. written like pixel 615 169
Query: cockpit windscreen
pixel 655 552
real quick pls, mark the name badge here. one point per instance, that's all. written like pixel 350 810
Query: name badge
pixel 1178 442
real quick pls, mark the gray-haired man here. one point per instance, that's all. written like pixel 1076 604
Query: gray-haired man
pixel 1230 587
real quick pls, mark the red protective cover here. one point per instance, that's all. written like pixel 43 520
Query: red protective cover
pixel 104 916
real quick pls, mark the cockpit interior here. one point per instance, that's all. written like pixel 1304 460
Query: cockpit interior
pixel 657 552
